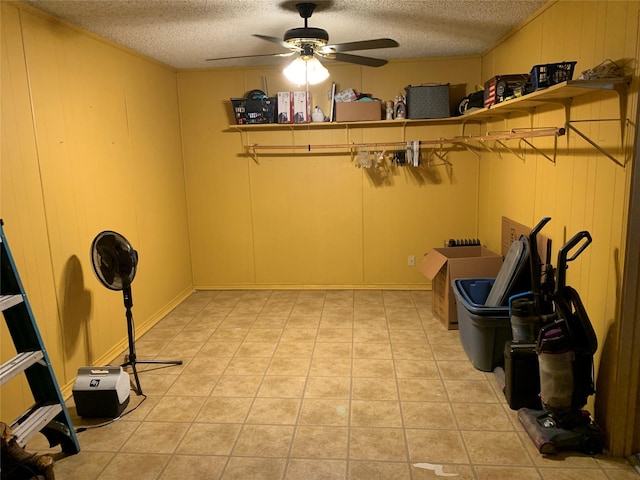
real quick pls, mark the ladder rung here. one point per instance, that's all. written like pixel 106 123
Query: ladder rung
pixel 18 364
pixel 8 301
pixel 34 422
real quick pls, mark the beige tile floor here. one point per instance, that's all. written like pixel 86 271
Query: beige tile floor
pixel 314 385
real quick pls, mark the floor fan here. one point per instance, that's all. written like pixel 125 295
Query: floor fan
pixel 114 262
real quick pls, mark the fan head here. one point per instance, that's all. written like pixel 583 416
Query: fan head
pixel 309 41
pixel 298 37
pixel 114 260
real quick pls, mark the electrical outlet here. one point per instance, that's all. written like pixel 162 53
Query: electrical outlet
pixel 411 261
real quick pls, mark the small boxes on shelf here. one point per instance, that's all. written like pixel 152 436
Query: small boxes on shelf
pixel 294 107
pixel 504 87
pixel 285 107
pixel 360 111
pixel 301 107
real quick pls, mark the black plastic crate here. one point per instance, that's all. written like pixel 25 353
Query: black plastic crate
pixel 543 76
pixel 250 111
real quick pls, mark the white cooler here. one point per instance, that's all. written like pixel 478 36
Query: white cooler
pixel 101 391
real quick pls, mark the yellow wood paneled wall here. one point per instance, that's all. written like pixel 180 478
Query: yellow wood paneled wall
pixel 584 190
pixel 304 220
pixel 94 137
pixel 90 142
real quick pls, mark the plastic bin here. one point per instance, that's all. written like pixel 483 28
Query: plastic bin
pixel 546 75
pixel 252 111
pixel 483 330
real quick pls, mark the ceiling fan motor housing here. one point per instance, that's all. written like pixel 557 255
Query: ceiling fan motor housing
pixel 310 41
pixel 309 37
pixel 306 35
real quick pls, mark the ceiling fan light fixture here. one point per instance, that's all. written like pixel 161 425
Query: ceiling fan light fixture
pixel 306 69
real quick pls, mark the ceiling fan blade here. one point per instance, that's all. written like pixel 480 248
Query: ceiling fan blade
pixel 277 41
pixel 362 45
pixel 288 54
pixel 360 60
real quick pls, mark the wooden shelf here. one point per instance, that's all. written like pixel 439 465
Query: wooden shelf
pixel 339 125
pixel 560 93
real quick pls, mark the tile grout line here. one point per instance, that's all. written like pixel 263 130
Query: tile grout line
pixel 402 421
pixel 302 395
pixel 253 400
pixel 226 463
pixel 351 372
pixel 193 421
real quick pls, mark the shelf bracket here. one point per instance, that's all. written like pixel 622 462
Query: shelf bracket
pixel 620 87
pixel 536 149
pixel 440 156
pixel 251 149
pixel 570 125
pixel 489 149
pixel 499 138
pixel 510 150
pixel 253 153
pixel 472 149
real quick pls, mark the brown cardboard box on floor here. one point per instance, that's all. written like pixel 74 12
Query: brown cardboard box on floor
pixel 442 265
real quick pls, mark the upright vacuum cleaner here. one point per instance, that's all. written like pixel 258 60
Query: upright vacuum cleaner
pixel 528 312
pixel 566 343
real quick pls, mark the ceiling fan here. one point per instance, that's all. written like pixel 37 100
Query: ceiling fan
pixel 309 41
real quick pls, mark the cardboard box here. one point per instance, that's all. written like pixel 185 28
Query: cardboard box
pixel 301 107
pixel 285 107
pixel 358 111
pixel 512 231
pixel 443 265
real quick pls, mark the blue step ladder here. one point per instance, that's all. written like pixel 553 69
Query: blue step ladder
pixel 49 413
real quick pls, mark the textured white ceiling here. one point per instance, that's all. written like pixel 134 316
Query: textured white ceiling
pixel 183 33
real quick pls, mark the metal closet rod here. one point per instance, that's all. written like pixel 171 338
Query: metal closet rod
pixel 512 134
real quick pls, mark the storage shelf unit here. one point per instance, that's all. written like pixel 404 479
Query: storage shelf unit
pixel 49 414
pixel 560 94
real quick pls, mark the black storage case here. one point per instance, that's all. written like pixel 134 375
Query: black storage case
pixel 521 376
pixel 428 101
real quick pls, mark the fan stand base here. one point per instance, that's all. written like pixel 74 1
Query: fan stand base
pixel 131 358
pixel 132 362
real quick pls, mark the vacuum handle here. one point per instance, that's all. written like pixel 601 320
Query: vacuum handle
pixel 539 226
pixel 535 262
pixel 581 240
pixel 533 244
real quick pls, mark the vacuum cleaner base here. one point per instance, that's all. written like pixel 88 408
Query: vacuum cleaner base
pixel 549 437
